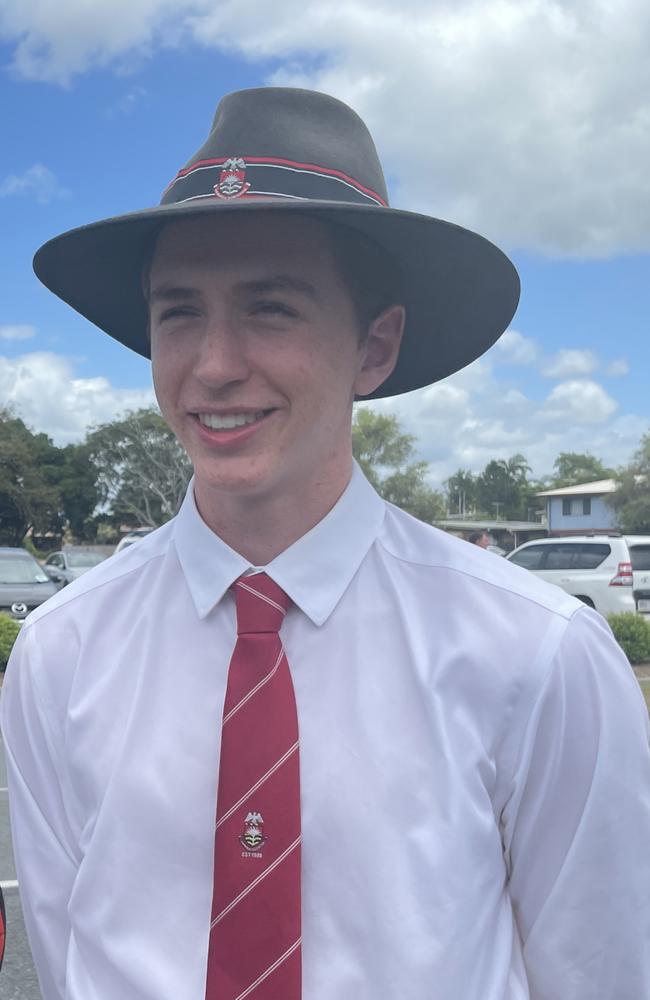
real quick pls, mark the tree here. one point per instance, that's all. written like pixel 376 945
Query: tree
pixel 573 468
pixel 142 469
pixel 503 490
pixel 385 453
pixel 461 492
pixel 631 501
pixel 78 490
pixel 28 496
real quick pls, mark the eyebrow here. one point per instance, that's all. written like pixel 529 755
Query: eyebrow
pixel 171 293
pixel 280 283
pixel 277 283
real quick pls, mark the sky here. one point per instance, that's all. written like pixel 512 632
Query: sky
pixel 525 120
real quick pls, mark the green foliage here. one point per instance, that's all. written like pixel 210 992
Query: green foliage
pixel 631 501
pixel 385 454
pixel 78 491
pixel 28 499
pixel 9 630
pixel 632 633
pixel 462 493
pixel 573 468
pixel 141 469
pixel 502 491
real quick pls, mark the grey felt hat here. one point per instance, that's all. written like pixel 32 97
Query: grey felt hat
pixel 287 150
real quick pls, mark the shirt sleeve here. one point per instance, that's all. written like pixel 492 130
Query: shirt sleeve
pixel 43 845
pixel 578 849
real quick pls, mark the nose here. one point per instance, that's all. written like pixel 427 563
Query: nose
pixel 222 357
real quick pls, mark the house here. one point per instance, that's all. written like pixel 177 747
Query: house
pixel 575 510
pixel 506 534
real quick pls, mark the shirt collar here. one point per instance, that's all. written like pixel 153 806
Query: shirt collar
pixel 315 571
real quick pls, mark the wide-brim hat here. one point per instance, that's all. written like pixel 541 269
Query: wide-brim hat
pixel 287 150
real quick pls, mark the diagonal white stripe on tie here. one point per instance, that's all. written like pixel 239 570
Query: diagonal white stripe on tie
pixel 258 784
pixel 255 882
pixel 271 968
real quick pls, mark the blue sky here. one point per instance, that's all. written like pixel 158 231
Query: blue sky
pixel 527 121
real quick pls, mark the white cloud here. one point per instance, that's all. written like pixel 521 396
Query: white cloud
pixel 527 120
pixel 37 182
pixel 579 401
pixel 44 391
pixel 476 415
pixel 620 366
pixel 570 362
pixel 17 331
pixel 127 104
pixel 464 421
pixel 517 349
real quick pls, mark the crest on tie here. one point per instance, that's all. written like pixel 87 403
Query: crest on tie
pixel 252 838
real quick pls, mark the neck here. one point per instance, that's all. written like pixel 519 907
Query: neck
pixel 259 527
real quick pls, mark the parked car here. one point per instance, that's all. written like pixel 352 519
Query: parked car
pixel 23 583
pixel 65 566
pixel 133 536
pixel 610 573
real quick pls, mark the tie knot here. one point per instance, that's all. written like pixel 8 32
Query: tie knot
pixel 261 604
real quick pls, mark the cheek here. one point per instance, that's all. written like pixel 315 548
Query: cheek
pixel 167 377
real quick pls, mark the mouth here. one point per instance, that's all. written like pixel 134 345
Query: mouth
pixel 231 421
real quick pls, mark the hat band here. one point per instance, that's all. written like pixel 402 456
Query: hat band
pixel 236 177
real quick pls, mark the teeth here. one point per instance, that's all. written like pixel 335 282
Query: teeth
pixel 229 420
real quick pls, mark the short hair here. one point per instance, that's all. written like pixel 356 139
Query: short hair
pixel 476 536
pixel 370 273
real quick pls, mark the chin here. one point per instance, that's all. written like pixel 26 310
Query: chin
pixel 236 478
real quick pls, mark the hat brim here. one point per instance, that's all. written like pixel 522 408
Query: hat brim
pixel 460 291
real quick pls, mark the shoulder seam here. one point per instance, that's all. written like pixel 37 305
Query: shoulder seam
pixel 566 615
pixel 46 612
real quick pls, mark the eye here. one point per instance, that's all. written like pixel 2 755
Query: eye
pixel 272 307
pixel 176 312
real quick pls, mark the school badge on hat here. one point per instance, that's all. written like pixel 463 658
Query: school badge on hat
pixel 232 180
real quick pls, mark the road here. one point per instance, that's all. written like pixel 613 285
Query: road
pixel 18 978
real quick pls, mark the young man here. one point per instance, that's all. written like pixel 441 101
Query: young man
pixel 409 801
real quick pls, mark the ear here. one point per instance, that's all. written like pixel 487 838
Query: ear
pixel 379 351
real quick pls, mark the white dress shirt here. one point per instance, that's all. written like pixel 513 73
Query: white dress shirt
pixel 474 757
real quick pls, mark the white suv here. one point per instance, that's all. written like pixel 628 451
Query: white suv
pixel 610 573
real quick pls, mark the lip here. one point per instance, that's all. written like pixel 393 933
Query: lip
pixel 234 436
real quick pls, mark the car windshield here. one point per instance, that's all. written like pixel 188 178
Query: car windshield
pixel 84 560
pixel 21 569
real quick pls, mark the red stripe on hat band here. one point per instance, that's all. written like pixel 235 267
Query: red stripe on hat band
pixel 279 162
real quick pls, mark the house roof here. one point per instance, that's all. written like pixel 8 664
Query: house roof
pixel 469 525
pixel 600 486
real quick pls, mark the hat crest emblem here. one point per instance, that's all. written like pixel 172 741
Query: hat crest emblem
pixel 232 179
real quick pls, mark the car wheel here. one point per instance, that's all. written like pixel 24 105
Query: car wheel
pixel 586 600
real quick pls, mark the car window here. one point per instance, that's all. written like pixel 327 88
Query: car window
pixel 21 569
pixel 529 558
pixel 591 554
pixel 84 560
pixel 640 557
pixel 561 556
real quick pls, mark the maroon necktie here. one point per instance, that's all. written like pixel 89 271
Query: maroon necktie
pixel 254 948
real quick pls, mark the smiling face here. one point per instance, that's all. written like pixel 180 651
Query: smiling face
pixel 257 356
